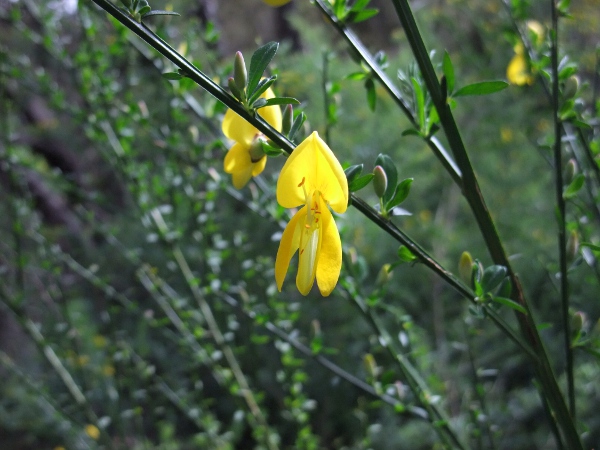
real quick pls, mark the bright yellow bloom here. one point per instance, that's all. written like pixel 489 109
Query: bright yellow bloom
pixel 245 158
pixel 312 176
pixel 517 71
pixel 276 2
pixel 92 431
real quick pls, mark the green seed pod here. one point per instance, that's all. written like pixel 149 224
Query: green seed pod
pixel 380 181
pixel 383 276
pixel 240 75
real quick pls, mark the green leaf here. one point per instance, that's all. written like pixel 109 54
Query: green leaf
pixel 172 76
pixel 353 172
pixel 363 15
pixel 282 101
pixel 269 149
pixel 481 88
pixel 360 5
pixel 405 254
pixel 357 76
pixel 575 186
pixel 391 173
pixel 590 245
pixel 448 69
pixel 144 10
pixel 262 86
pixel 157 12
pixel 259 62
pixel 419 103
pixel 360 182
pixel 298 121
pixel 510 303
pixel 402 191
pixel 259 103
pixel 371 94
pixel 411 132
pixel 492 277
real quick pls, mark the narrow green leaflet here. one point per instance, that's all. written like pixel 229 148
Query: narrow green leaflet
pixel 419 103
pixel 481 88
pixel 262 86
pixel 281 101
pixel 402 191
pixel 405 254
pixel 157 12
pixel 448 72
pixel 353 172
pixel 360 182
pixel 259 62
pixel 510 303
pixel 371 94
pixel 492 277
pixel 575 186
pixel 172 76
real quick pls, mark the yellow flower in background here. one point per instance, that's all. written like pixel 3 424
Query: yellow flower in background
pixel 92 431
pixel 312 176
pixel 517 71
pixel 276 2
pixel 245 159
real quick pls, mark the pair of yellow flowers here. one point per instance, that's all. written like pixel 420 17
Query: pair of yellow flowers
pixel 313 178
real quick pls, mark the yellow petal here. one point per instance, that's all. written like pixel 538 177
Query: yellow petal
pixel 329 261
pixel 290 241
pixel 517 71
pixel 239 165
pixel 314 162
pixel 259 166
pixel 310 247
pixel 272 114
pixel 237 129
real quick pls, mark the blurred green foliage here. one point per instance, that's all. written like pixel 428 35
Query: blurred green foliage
pixel 109 172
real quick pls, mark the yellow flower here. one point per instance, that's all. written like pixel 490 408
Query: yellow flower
pixel 92 431
pixel 517 71
pixel 245 159
pixel 276 2
pixel 313 177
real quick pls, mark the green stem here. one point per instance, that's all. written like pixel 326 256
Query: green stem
pixel 561 210
pixel 360 50
pixel 475 199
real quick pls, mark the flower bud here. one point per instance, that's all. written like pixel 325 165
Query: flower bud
pixel 570 171
pixel 256 151
pixel 465 267
pixel 287 120
pixel 379 181
pixel 572 245
pixel 577 321
pixel 240 75
pixel 371 365
pixel 571 87
pixel 234 89
pixel 384 275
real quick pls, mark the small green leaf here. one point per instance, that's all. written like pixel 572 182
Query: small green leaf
pixel 259 103
pixel 448 69
pixel 481 88
pixel 389 168
pixel 357 76
pixel 405 254
pixel 371 94
pixel 363 15
pixel 590 245
pixel 172 76
pixel 360 182
pixel 411 132
pixel 419 103
pixel 259 62
pixel 269 149
pixel 157 12
pixel 262 86
pixel 575 186
pixel 510 303
pixel 282 101
pixel 402 191
pixel 144 10
pixel 353 172
pixel 492 277
pixel 298 121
